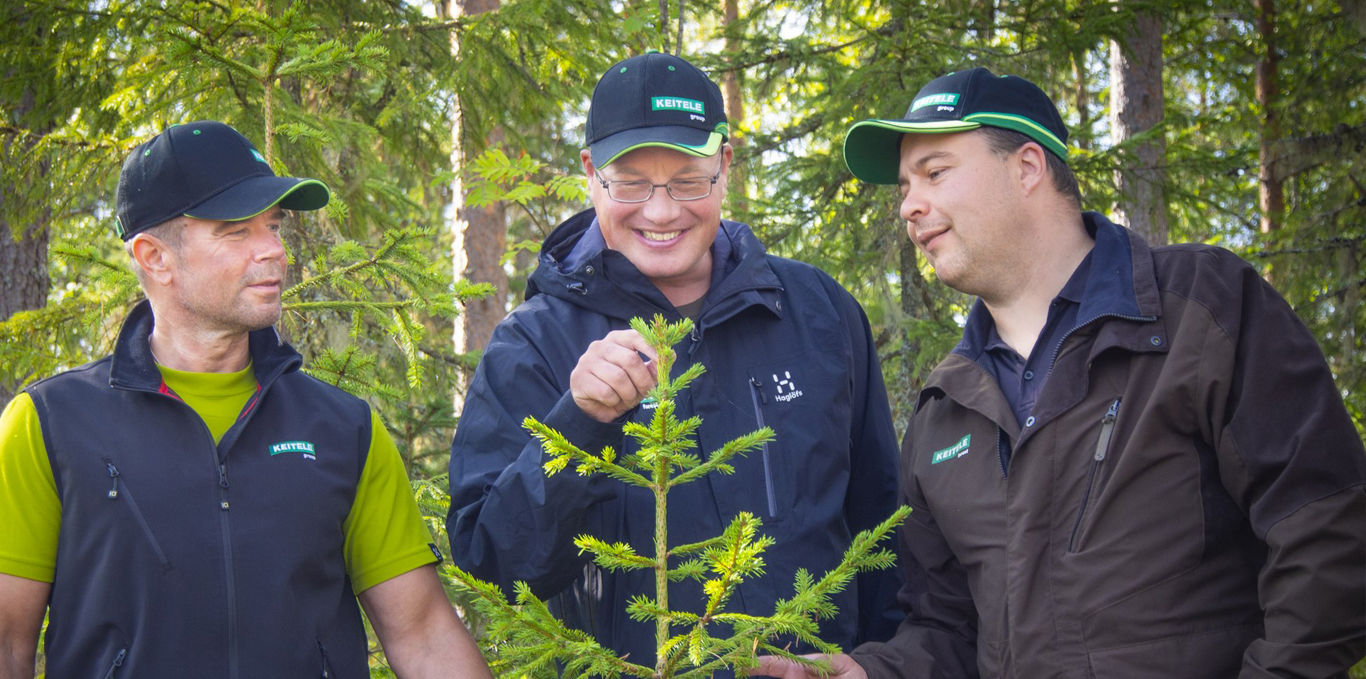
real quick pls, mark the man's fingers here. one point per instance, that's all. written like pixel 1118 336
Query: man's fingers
pixel 612 376
pixel 841 667
pixel 782 668
pixel 632 340
pixel 640 373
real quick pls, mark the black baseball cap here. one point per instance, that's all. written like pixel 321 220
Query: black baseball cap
pixel 962 100
pixel 655 99
pixel 207 170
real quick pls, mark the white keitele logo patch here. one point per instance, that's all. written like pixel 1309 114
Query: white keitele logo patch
pixel 786 384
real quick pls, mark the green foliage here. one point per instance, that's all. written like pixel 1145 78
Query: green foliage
pixel 362 96
pixel 524 639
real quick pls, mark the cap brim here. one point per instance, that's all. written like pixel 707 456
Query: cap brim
pixel 872 148
pixel 689 140
pixel 255 195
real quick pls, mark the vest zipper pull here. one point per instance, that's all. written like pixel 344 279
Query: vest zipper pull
pixel 114 480
pixel 223 483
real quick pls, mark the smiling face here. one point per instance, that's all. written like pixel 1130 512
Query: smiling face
pixel 963 210
pixel 228 275
pixel 667 240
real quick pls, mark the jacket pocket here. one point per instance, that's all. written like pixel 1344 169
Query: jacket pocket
pixel 119 490
pixel 1107 430
pixel 757 395
pixel 118 662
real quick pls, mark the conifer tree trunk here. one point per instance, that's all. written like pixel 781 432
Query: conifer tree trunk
pixel 1082 99
pixel 1136 100
pixel 735 114
pixel 480 233
pixel 24 279
pixel 1271 191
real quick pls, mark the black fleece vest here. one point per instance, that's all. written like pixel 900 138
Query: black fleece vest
pixel 179 557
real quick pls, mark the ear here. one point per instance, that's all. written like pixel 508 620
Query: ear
pixel 723 183
pixel 154 257
pixel 586 157
pixel 1031 167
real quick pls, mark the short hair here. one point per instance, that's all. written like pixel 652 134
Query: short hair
pixel 1004 142
pixel 169 232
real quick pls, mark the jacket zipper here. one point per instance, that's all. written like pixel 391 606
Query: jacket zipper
pixel 118 662
pixel 1058 349
pixel 228 564
pixel 327 666
pixel 1107 428
pixel 756 395
pixel 1000 454
pixel 116 481
pixel 233 671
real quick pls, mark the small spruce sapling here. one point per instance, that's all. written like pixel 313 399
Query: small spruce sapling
pixel 525 640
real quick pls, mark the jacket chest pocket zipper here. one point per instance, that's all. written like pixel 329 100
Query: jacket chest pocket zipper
pixel 757 396
pixel 118 662
pixel 118 488
pixel 1107 430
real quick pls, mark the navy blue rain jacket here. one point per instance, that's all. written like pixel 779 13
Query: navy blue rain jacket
pixel 784 346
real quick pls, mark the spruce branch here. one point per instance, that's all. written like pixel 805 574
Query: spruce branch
pixel 615 556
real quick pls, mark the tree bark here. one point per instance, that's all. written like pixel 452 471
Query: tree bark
pixel 1082 99
pixel 1136 100
pixel 1356 11
pixel 24 278
pixel 1270 179
pixel 479 234
pixel 735 114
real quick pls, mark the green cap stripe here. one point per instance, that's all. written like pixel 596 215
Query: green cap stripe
pixel 708 149
pixel 1033 129
pixel 286 194
pixel 925 126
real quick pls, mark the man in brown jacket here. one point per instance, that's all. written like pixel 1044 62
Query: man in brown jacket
pixel 1135 463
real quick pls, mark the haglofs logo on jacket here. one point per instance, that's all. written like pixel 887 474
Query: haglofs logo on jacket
pixel 787 390
pixel 294 447
pixel 954 451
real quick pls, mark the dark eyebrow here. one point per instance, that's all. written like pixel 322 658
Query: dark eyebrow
pixel 924 160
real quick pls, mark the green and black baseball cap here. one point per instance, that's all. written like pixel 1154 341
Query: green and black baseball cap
pixel 655 99
pixel 206 170
pixel 959 101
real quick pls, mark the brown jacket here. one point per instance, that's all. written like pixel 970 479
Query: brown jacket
pixel 1189 500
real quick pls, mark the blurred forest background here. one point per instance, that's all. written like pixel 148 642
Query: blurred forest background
pixel 449 133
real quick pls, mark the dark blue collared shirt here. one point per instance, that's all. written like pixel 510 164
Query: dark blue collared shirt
pixel 1021 379
pixel 1100 286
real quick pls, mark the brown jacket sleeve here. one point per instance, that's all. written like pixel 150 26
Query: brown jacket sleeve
pixel 1293 461
pixel 938 638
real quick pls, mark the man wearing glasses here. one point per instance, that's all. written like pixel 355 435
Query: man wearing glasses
pixel 784 346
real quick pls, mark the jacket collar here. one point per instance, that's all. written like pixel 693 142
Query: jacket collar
pixel 1121 287
pixel 133 367
pixel 576 266
pixel 1110 289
